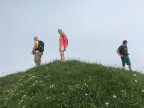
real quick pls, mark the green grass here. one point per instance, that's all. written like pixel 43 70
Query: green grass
pixel 72 84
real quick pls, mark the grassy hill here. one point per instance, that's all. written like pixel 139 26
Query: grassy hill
pixel 72 84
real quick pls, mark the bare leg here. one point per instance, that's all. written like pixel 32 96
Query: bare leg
pixel 62 55
pixel 123 67
pixel 37 63
pixel 130 68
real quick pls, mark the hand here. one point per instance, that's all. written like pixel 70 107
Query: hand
pixel 121 55
pixel 33 52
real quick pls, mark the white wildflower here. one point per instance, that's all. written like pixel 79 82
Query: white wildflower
pixel 5 104
pixel 143 91
pixel 136 103
pixel 136 81
pixel 52 86
pixel 20 101
pixel 32 77
pixel 123 91
pixel 106 103
pixel 134 74
pixel 86 94
pixel 23 96
pixel 48 97
pixel 114 96
pixel 24 106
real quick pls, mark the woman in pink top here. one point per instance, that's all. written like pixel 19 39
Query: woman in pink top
pixel 61 44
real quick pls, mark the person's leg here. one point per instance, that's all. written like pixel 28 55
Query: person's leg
pixel 61 49
pixel 130 68
pixel 62 55
pixel 128 63
pixel 37 63
pixel 123 62
pixel 37 58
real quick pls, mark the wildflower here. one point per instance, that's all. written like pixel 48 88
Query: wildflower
pixel 106 103
pixel 36 81
pixel 86 94
pixel 134 74
pixel 5 104
pixel 52 86
pixel 114 96
pixel 20 101
pixel 24 106
pixel 32 77
pixel 143 91
pixel 123 90
pixel 48 97
pixel 136 103
pixel 136 81
pixel 23 96
pixel 29 75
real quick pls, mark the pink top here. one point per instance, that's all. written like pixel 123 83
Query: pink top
pixel 61 42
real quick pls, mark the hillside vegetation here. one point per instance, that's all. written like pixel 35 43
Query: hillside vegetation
pixel 72 84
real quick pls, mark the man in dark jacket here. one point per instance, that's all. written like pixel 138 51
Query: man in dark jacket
pixel 123 53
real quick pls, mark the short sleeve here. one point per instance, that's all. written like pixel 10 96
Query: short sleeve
pixel 120 48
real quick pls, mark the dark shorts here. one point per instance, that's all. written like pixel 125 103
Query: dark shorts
pixel 125 60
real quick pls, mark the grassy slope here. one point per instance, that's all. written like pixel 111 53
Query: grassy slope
pixel 72 84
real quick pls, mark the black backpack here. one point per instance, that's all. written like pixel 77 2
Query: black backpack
pixel 40 46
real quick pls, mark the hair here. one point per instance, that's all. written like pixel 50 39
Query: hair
pixel 35 38
pixel 125 41
pixel 61 32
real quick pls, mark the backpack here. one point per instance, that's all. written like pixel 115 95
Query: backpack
pixel 40 46
pixel 65 41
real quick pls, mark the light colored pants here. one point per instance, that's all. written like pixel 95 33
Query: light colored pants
pixel 37 56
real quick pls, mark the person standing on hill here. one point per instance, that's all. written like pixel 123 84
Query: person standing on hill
pixel 123 53
pixel 63 43
pixel 37 50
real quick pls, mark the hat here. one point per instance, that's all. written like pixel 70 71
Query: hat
pixel 125 41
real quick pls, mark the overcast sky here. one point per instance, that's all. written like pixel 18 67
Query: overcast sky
pixel 95 29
